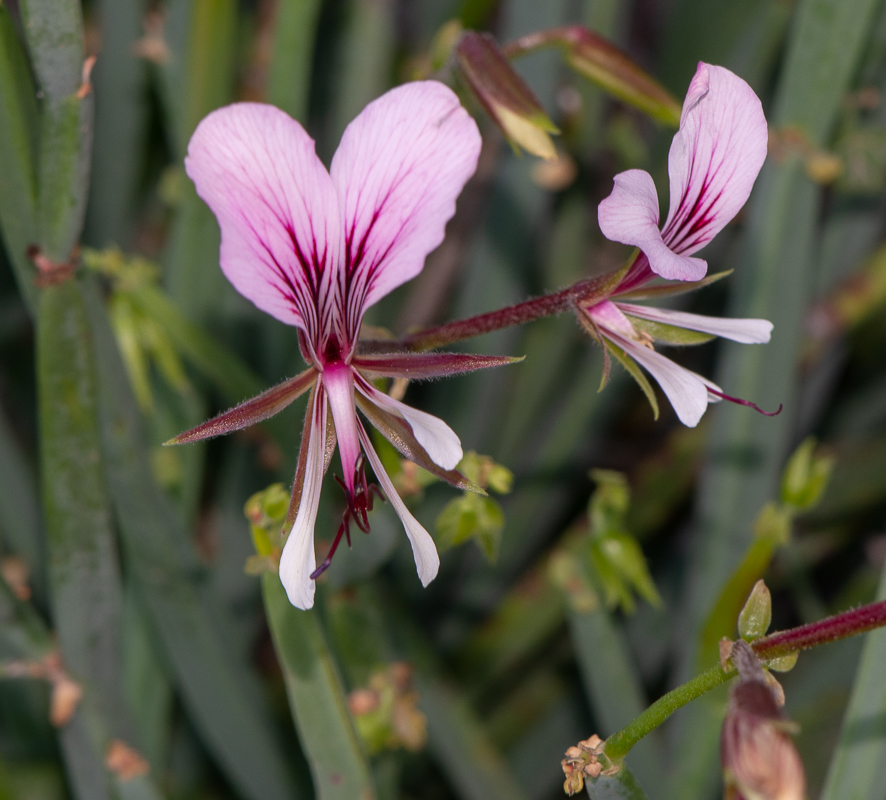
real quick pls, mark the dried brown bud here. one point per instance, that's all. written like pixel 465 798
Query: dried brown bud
pixel 575 781
pixel 15 572
pixel 363 701
pixel 759 759
pixel 125 762
pixel 66 696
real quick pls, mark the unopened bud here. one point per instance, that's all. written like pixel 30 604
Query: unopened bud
pixel 805 476
pixel 601 62
pixel 755 617
pixel 759 759
pixel 505 95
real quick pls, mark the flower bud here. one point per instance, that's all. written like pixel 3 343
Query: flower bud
pixel 605 64
pixel 805 476
pixel 755 617
pixel 601 62
pixel 505 95
pixel 759 759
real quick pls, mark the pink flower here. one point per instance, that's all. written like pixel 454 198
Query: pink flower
pixel 315 249
pixel 713 163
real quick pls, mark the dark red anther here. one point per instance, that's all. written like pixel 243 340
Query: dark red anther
pixel 360 503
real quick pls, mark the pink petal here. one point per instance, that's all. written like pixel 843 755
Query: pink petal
pixel 630 216
pixel 684 389
pixel 427 562
pixel 434 435
pixel 608 315
pixel 338 380
pixel 281 233
pixel 297 561
pixel 715 157
pixel 399 168
pixel 746 331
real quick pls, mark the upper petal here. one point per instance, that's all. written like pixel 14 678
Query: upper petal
pixel 715 157
pixel 746 331
pixel 278 211
pixel 298 561
pixel 630 216
pixel 399 168
pixel 427 561
pixel 435 436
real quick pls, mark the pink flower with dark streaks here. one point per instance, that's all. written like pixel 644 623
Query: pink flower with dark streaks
pixel 713 163
pixel 315 249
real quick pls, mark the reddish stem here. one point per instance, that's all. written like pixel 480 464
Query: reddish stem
pixel 519 314
pixel 831 629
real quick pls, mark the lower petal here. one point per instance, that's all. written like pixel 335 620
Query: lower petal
pixel 435 436
pixel 427 562
pixel 298 561
pixel 686 392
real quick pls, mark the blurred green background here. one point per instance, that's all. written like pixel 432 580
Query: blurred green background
pixel 543 626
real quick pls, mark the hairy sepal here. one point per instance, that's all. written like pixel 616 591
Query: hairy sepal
pixel 258 409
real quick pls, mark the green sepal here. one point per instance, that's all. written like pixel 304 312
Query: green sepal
pixel 636 373
pixel 670 334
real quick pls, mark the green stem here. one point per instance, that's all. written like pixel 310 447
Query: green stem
pixel 619 744
pixel 776 645
pixel 586 292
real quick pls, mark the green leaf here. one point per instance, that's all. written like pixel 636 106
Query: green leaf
pixel 54 34
pixel 18 157
pixel 22 633
pixel 289 80
pixel 236 380
pixel 623 786
pixel 84 578
pixel 121 91
pixel 471 516
pixel 189 622
pixel 145 682
pixel 20 523
pixel 316 698
pixel 364 71
pixel 636 373
pixel 198 78
pixel 65 147
pixel 858 768
pixel 805 476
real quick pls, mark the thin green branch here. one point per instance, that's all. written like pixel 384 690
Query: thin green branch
pixel 776 645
